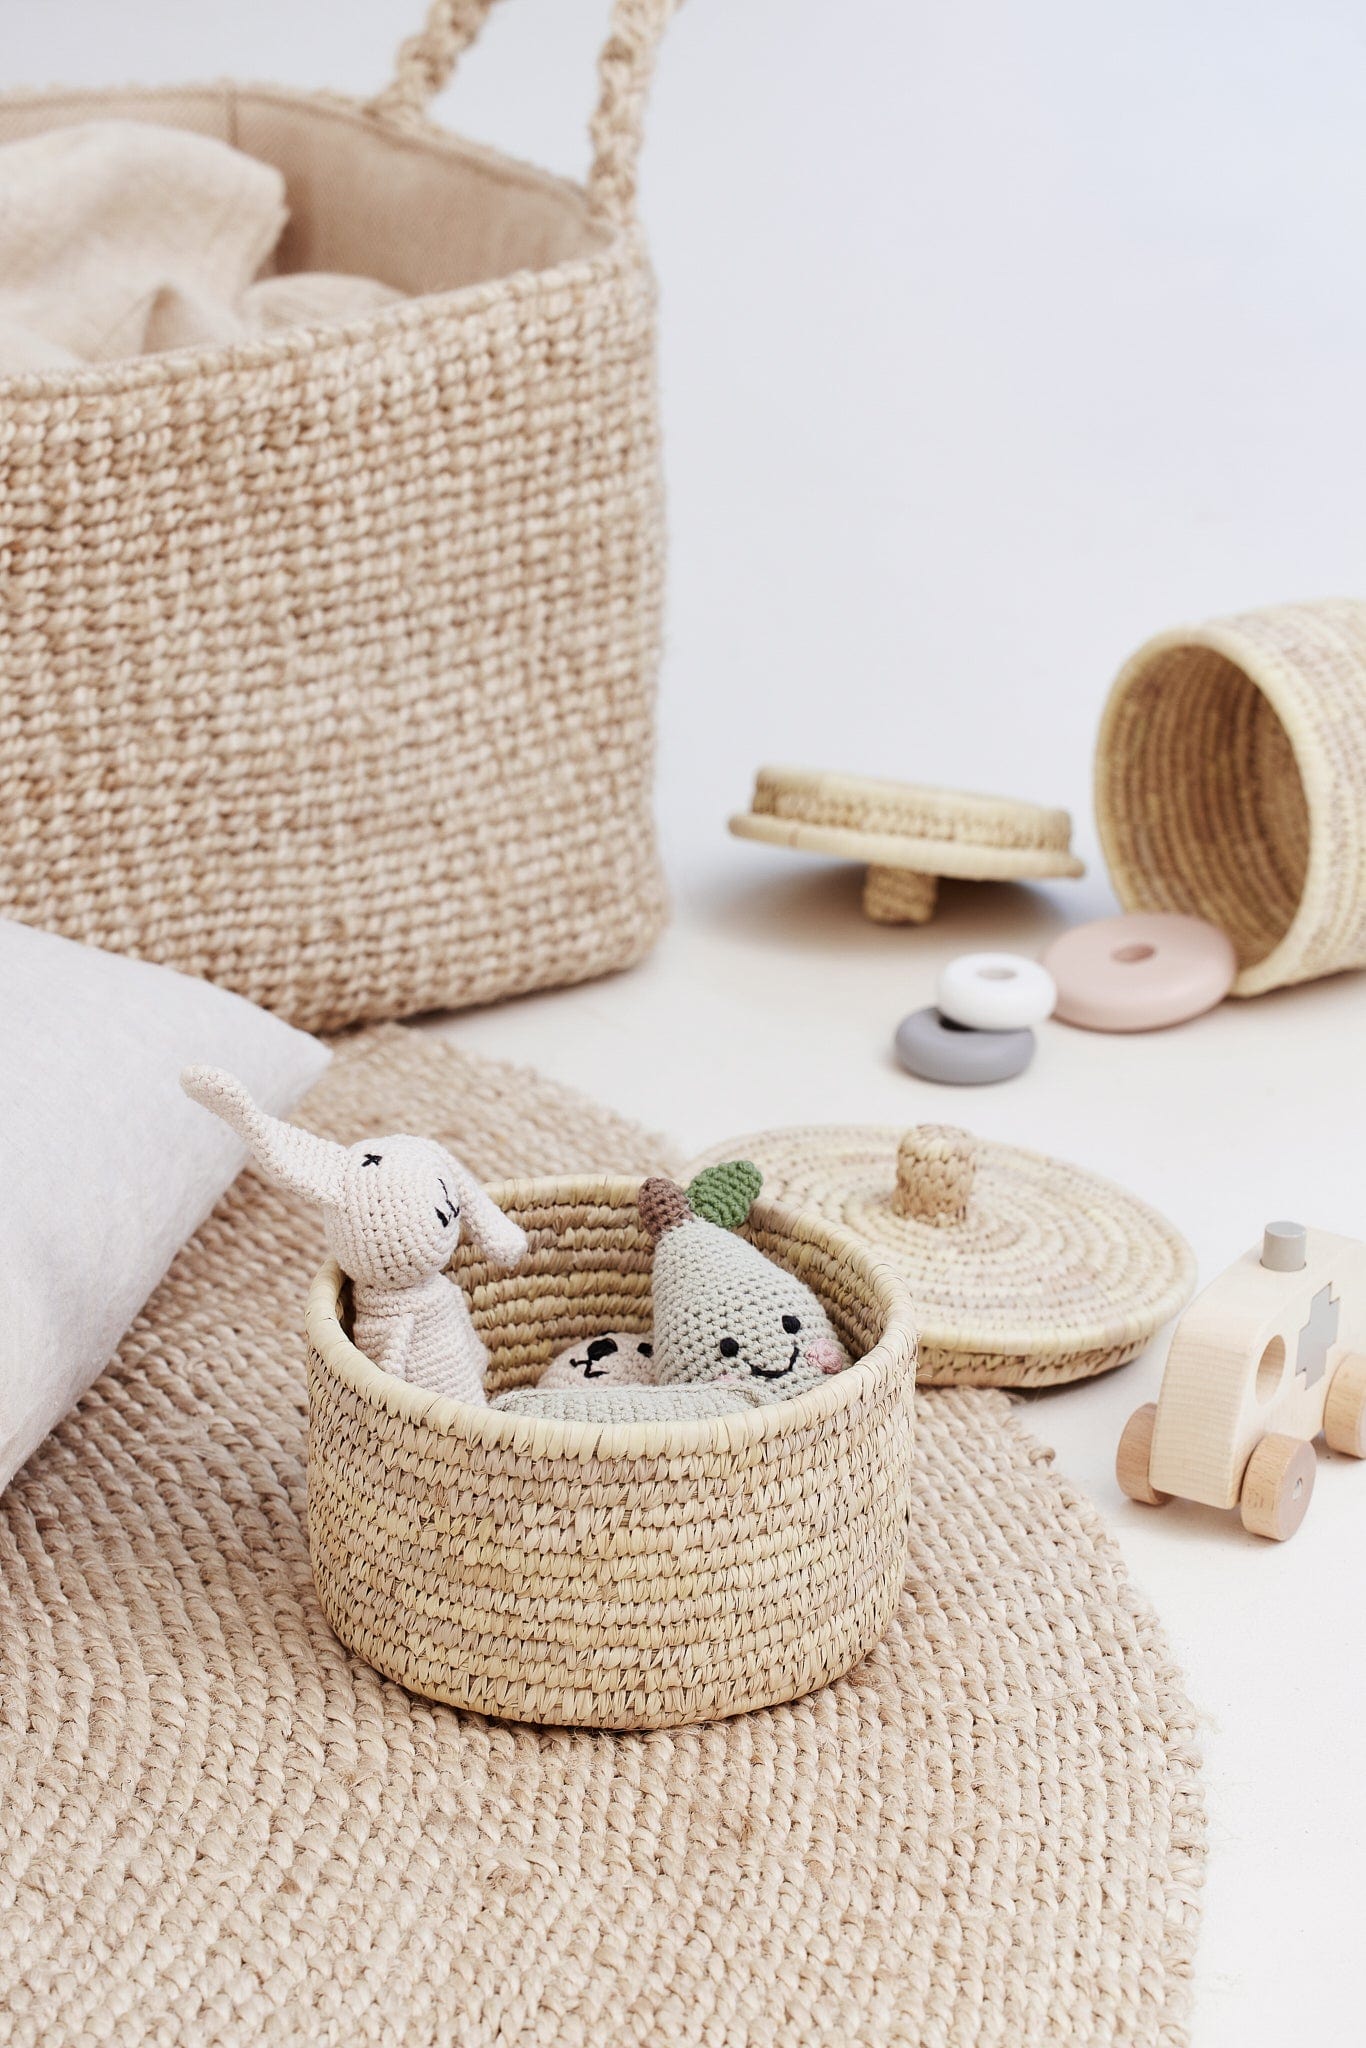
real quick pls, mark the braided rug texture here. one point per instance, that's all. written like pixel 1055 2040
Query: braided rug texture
pixel 218 1827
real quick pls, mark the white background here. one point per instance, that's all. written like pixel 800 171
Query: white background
pixel 995 338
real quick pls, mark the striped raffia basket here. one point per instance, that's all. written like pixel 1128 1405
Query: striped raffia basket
pixel 636 1575
pixel 327 661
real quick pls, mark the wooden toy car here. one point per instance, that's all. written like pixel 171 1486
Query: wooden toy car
pixel 1270 1354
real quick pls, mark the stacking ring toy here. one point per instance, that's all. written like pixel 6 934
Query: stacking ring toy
pixel 934 1048
pixel 996 992
pixel 1140 973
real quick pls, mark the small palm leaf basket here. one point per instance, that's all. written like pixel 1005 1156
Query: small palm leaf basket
pixel 631 1575
pixel 1230 771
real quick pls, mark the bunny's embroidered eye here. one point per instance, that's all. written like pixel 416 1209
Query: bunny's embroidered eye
pixel 729 1348
pixel 442 1218
pixel 371 1159
pixel 792 1324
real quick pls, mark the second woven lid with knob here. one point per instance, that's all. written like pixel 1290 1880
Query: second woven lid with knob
pixel 1025 1271
pixel 908 835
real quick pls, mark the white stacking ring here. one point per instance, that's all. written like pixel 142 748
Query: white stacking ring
pixel 996 992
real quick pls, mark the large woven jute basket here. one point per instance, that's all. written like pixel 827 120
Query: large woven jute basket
pixel 634 1575
pixel 1231 785
pixel 327 662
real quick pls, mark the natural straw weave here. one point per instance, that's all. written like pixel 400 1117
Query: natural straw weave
pixel 327 662
pixel 1231 784
pixel 217 1827
pixel 909 835
pixel 1024 1271
pixel 627 1575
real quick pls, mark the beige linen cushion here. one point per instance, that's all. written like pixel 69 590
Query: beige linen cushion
pixel 107 1168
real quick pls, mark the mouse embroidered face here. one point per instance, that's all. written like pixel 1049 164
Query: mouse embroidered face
pixel 394 1209
pixel 616 1359
pixel 723 1312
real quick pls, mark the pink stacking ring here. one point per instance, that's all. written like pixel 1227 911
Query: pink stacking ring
pixel 1139 973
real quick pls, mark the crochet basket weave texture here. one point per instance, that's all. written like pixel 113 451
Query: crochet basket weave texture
pixel 327 663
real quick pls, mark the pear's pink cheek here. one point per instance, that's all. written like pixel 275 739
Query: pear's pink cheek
pixel 825 1356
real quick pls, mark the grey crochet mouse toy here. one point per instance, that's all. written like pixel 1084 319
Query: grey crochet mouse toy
pixel 627 1403
pixel 394 1210
pixel 615 1359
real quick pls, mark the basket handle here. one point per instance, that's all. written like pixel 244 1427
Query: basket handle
pixel 426 60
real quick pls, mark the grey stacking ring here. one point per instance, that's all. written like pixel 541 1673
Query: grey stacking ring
pixel 933 1048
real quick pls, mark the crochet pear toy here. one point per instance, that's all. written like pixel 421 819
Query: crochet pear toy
pixel 723 1312
pixel 394 1210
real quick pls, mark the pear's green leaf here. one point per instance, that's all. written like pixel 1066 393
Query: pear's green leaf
pixel 725 1194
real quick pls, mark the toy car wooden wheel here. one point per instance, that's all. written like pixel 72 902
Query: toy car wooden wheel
pixel 1277 1487
pixel 1134 1455
pixel 1344 1411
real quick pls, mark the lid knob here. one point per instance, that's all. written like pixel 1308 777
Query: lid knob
pixel 935 1164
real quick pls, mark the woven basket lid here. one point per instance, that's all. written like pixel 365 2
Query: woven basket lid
pixel 1025 1271
pixel 903 825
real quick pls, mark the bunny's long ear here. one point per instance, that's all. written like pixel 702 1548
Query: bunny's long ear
pixel 502 1242
pixel 295 1159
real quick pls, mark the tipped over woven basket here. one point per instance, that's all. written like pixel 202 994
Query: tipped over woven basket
pixel 1231 785
pixel 622 1576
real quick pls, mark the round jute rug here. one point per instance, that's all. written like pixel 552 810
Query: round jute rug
pixel 218 1827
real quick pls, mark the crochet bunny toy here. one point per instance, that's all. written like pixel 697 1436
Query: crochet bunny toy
pixel 394 1210
pixel 732 1329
